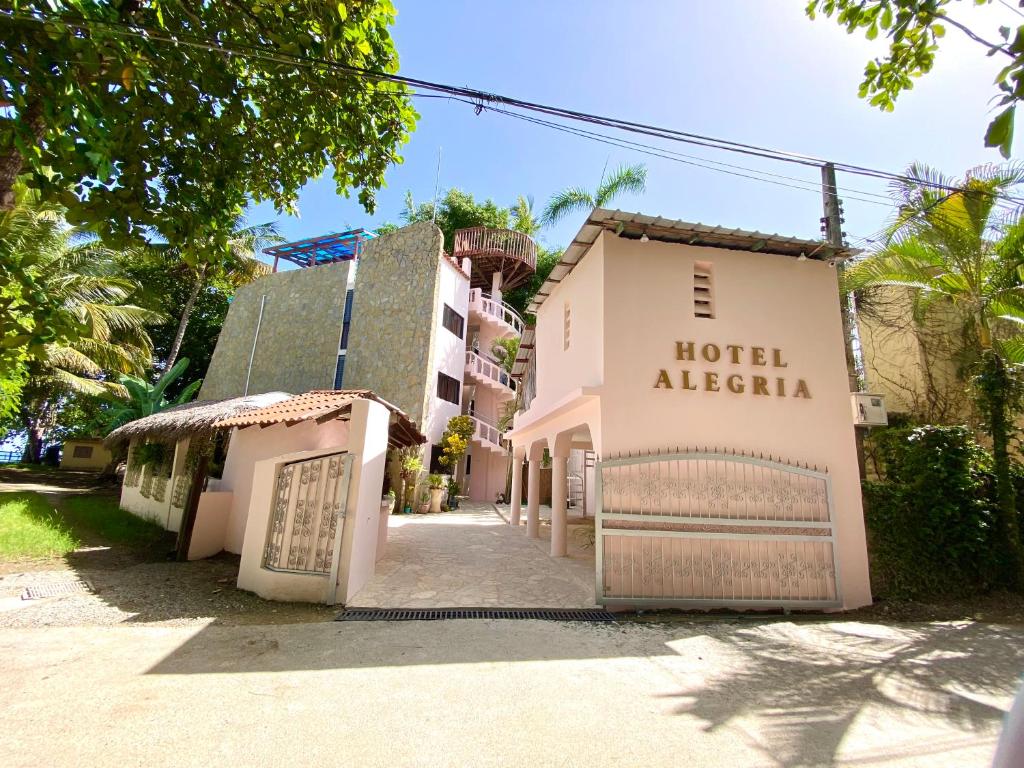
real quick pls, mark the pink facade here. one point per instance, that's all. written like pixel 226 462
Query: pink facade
pixel 638 350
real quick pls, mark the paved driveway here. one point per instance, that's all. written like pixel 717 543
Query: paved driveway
pixel 473 559
pixel 731 693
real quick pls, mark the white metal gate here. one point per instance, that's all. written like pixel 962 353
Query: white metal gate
pixel 310 498
pixel 715 529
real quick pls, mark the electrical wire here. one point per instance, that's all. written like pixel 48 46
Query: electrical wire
pixel 480 98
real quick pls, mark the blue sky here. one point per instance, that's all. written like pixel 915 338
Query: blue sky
pixel 755 71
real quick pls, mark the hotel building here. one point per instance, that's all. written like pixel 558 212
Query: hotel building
pixel 397 315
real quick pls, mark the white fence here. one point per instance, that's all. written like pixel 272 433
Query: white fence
pixel 715 529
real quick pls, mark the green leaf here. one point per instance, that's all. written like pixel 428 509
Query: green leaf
pixel 1000 131
pixel 342 11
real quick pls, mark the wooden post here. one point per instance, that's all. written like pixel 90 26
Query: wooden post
pixel 188 517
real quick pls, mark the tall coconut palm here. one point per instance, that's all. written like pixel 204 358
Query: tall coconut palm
pixel 962 249
pixel 65 313
pixel 238 264
pixel 624 179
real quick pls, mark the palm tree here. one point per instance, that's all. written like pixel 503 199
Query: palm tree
pixel 523 218
pixel 963 250
pixel 238 264
pixel 625 178
pixel 65 313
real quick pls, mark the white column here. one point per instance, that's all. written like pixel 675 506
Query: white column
pixel 515 500
pixel 559 492
pixel 533 499
pixel 496 286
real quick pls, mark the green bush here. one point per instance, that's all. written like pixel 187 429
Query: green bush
pixel 929 520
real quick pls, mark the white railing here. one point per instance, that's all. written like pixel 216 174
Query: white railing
pixel 490 372
pixel 486 433
pixel 495 242
pixel 499 310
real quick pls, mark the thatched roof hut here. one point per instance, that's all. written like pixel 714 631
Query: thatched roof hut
pixel 190 419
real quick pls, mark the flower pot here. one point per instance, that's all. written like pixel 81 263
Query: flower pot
pixel 435 499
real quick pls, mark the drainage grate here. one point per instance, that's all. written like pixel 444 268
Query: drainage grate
pixel 53 589
pixel 438 614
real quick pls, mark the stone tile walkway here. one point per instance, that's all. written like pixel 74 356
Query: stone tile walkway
pixel 472 558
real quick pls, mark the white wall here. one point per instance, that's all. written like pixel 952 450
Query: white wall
pixel 449 352
pixel 162 512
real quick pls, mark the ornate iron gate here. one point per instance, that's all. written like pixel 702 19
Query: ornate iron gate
pixel 309 506
pixel 715 529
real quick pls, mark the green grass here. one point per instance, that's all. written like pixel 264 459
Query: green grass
pixel 31 528
pixel 102 516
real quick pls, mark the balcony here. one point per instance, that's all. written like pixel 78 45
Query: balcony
pixel 487 435
pixel 497 312
pixel 483 371
pixel 511 253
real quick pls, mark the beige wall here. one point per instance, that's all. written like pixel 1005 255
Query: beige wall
pixel 644 292
pixel 297 348
pixel 394 318
pixel 763 300
pixel 560 371
pixel 99 456
pixel 913 365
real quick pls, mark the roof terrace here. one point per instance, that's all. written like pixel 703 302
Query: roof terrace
pixel 325 249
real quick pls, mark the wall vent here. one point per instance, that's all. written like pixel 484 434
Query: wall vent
pixel 703 290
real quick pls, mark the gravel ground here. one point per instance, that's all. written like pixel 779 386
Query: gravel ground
pixel 136 585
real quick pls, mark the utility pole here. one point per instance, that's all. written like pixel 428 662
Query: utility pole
pixel 832 229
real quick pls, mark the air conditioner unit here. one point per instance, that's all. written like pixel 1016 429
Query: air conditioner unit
pixel 868 410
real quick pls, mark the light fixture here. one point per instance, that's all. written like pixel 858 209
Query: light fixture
pixel 644 238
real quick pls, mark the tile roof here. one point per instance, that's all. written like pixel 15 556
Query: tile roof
pixel 322 405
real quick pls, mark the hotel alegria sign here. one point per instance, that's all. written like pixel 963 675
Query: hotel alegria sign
pixel 695 372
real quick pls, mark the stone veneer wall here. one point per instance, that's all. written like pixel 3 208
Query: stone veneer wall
pixel 297 348
pixel 390 340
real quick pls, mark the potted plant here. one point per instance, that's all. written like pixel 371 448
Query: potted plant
pixel 411 466
pixel 424 503
pixel 454 489
pixel 436 484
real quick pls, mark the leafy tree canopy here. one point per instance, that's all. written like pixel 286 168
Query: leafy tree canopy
pixel 913 28
pixel 457 210
pixel 136 134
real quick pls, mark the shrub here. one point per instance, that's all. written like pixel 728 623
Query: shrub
pixel 929 521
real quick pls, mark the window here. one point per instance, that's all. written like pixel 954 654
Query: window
pixel 436 467
pixel 339 371
pixel 453 321
pixel 448 388
pixel 469 463
pixel 82 452
pixel 346 323
pixel 566 327
pixel 703 298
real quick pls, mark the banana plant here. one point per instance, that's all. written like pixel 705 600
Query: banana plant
pixel 145 399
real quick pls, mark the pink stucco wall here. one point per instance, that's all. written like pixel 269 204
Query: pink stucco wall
pixel 633 301
pixel 366 438
pixel 254 444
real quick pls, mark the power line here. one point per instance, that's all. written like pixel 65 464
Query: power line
pixel 481 98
